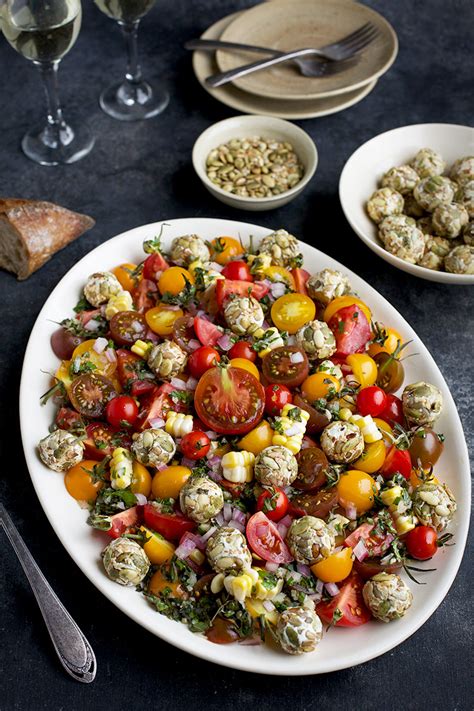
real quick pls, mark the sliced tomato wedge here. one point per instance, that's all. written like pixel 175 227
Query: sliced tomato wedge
pixel 85 316
pixel 396 461
pixel 102 439
pixel 153 265
pixel 300 276
pixel 375 543
pixel 351 330
pixel 130 368
pixel 265 540
pixel 144 295
pixel 153 406
pixel 206 331
pixel 226 287
pixel 123 521
pixel 347 608
pixel 171 526
pixel 68 419
pixel 139 388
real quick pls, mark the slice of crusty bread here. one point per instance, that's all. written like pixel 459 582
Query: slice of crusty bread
pixel 31 231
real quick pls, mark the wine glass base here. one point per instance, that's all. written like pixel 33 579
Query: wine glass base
pixel 53 145
pixel 133 102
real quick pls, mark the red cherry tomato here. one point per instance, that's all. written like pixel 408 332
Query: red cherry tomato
pixel 124 520
pixel 63 343
pixel 226 287
pixel 351 330
pixel 375 543
pixel 274 503
pixel 171 526
pixel 129 367
pixel 195 445
pixel 347 608
pixel 121 411
pixel 153 265
pixel 206 331
pixel 397 460
pixel 422 542
pixel 238 270
pixel 102 439
pixel 67 419
pixel 276 397
pixel 265 540
pixel 393 410
pixel 144 295
pixel 139 388
pixel 243 349
pixel 157 404
pixel 371 401
pixel 202 359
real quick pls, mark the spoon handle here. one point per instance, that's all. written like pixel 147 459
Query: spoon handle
pixel 73 649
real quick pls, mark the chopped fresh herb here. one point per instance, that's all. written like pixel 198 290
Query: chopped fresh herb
pixel 57 390
pixel 82 305
pixel 75 327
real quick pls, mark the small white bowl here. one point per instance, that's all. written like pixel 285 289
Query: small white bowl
pixel 364 169
pixel 246 127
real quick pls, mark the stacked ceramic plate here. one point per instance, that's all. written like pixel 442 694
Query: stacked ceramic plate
pixel 292 24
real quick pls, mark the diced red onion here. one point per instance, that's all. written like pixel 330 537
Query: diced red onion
pixel 76 364
pixel 157 422
pixel 191 384
pixel 100 345
pixel 220 519
pixel 189 535
pixel 215 475
pixel 250 641
pixel 295 576
pixel 225 342
pixel 227 512
pixel 173 307
pixel 303 569
pixel 216 267
pixel 239 516
pixel 151 336
pixel 351 512
pixel 110 355
pixel 185 548
pixel 277 289
pixel 236 524
pixel 265 325
pixel 332 589
pixel 194 344
pixel 103 309
pixel 159 467
pixel 291 340
pixel 120 505
pixel 271 567
pixel 214 461
pixel 282 530
pixel 315 597
pixel 178 383
pixel 205 537
pixel 211 434
pixel 268 605
pixel 319 586
pixel 286 521
pixel 297 357
pixel 137 326
pixel 360 551
pixel 203 314
pixel 265 282
pixel 190 463
pixel 92 325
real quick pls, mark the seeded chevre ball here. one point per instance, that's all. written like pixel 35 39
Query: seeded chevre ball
pixel 468 234
pixel 434 191
pixel 422 403
pixel 448 220
pixel 431 260
pixel 316 339
pixel 283 248
pixel 310 540
pixel 401 237
pixel 342 442
pixel 463 170
pixel 299 629
pixel 383 203
pixel 402 179
pixel 201 499
pixel 275 466
pixel 425 224
pixel 460 260
pixel 438 245
pixel 227 551
pixel 100 287
pixel 428 163
pixel 387 596
pixel 125 562
pixel 434 505
pixel 153 447
pixel 411 207
pixel 60 450
pixel 243 315
pixel 187 249
pixel 167 360
pixel 465 197
pixel 326 285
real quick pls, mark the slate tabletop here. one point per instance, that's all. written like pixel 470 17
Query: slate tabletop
pixel 140 173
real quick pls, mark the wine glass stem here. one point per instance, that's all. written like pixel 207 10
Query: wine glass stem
pixel 55 122
pixel 130 32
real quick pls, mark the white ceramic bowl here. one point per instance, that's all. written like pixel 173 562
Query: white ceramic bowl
pixel 364 169
pixel 246 127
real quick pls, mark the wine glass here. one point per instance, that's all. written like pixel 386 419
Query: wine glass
pixel 133 98
pixel 43 32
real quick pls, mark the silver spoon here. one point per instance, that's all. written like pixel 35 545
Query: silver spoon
pixel 73 649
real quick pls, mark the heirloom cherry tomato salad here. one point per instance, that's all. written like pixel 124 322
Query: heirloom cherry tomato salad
pixel 231 422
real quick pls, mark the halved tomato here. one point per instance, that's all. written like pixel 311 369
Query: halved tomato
pixel 347 608
pixel 156 405
pixel 102 439
pixel 171 526
pixel 286 365
pixel 67 419
pixel 144 295
pixel 265 540
pixel 372 566
pixel 153 265
pixel 90 393
pixel 206 331
pixel 229 400
pixel 130 368
pixel 318 504
pixel 317 420
pixel 375 543
pixel 312 469
pixel 226 287
pixel 183 333
pixel 126 327
pixel 124 521
pixel 351 330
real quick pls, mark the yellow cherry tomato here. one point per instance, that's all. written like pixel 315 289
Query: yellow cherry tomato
pixel 80 482
pixel 141 480
pixel 319 385
pixel 391 342
pixel 157 548
pixel 223 249
pixel 416 479
pixel 347 401
pixel 161 318
pixel 86 354
pixel 385 430
pixel 372 457
pixel 257 439
pixel 364 369
pixel 280 274
pixel 173 280
pixel 124 274
pixel 159 583
pixel 168 482
pixel 340 302
pixel 291 311
pixel 356 488
pixel 335 567
pixel 63 373
pixel 247 365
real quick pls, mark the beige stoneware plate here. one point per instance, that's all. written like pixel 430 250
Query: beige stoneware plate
pixel 204 64
pixel 294 24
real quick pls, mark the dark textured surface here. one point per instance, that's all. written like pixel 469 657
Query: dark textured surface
pixel 141 173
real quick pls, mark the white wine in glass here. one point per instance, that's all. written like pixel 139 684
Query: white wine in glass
pixel 133 98
pixel 43 31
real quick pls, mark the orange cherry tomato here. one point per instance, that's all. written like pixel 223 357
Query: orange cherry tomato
pixel 280 274
pixel 223 249
pixel 372 457
pixel 141 480
pixel 173 280
pixel 161 319
pixel 364 369
pixel 157 548
pixel 124 274
pixel 393 338
pixel 335 567
pixel 80 482
pixel 246 365
pixel 257 439
pixel 159 583
pixel 291 311
pixel 63 373
pixel 167 483
pixel 341 302
pixel 319 385
pixel 356 488
pixel 86 354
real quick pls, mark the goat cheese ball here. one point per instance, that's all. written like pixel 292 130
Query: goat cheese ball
pixel 449 220
pixel 153 447
pixel 383 203
pixel 187 249
pixel 60 450
pixel 387 596
pixel 243 315
pixel 439 245
pixel 428 163
pixel 316 339
pixel 326 285
pixel 310 540
pixel 299 629
pixel 431 260
pixel 275 466
pixel 425 224
pixel 412 208
pixel 283 248
pixel 402 179
pixel 434 505
pixel 433 191
pixel 342 442
pixel 227 551
pixel 465 197
pixel 125 562
pixel 201 499
pixel 401 237
pixel 462 170
pixel 468 234
pixel 422 403
pixel 460 260
pixel 100 287
pixel 167 360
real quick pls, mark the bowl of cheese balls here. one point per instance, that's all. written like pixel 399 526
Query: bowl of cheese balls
pixel 409 195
